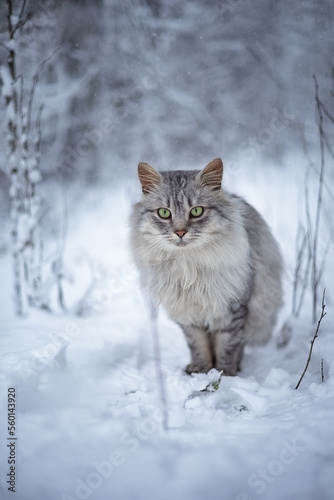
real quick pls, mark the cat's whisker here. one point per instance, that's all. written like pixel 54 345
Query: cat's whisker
pixel 156 246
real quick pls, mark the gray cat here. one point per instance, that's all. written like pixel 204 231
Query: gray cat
pixel 210 259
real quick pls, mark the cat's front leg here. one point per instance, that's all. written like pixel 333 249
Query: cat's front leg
pixel 199 343
pixel 228 349
pixel 229 339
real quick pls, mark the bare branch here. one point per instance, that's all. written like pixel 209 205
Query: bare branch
pixel 22 22
pixel 38 134
pixel 5 46
pixel 324 258
pixel 310 162
pixel 315 274
pixel 326 112
pixel 80 307
pixel 301 273
pixel 298 268
pixel 59 264
pixel 9 17
pixel 322 371
pixel 33 87
pixel 20 101
pixel 322 315
pixel 23 6
pixel 329 147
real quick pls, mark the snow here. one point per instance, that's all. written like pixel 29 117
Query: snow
pixel 6 82
pixel 89 410
pixel 14 20
pixel 35 176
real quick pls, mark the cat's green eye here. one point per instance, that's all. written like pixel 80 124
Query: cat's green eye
pixel 196 211
pixel 164 213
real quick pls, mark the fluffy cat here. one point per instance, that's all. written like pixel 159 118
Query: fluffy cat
pixel 210 260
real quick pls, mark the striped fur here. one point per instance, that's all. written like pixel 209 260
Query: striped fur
pixel 221 282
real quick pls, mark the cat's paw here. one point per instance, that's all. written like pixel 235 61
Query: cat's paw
pixel 196 368
pixel 227 371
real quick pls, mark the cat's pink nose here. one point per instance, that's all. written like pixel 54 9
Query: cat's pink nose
pixel 181 233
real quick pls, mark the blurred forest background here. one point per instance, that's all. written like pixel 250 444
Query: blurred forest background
pixel 171 83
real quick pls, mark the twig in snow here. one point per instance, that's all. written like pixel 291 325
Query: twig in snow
pixel 323 313
pixel 157 359
pixel 214 385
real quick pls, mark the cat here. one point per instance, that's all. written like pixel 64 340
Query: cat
pixel 210 260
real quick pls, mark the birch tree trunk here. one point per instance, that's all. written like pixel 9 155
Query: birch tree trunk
pixel 9 79
pixel 23 157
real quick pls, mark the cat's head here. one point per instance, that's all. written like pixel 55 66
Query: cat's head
pixel 181 209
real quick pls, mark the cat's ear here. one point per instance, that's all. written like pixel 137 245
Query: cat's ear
pixel 212 174
pixel 149 178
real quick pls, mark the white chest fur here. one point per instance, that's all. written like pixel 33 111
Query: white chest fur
pixel 194 288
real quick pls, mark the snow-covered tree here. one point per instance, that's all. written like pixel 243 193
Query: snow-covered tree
pixel 23 132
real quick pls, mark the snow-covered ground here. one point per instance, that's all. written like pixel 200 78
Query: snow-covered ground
pixel 90 421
